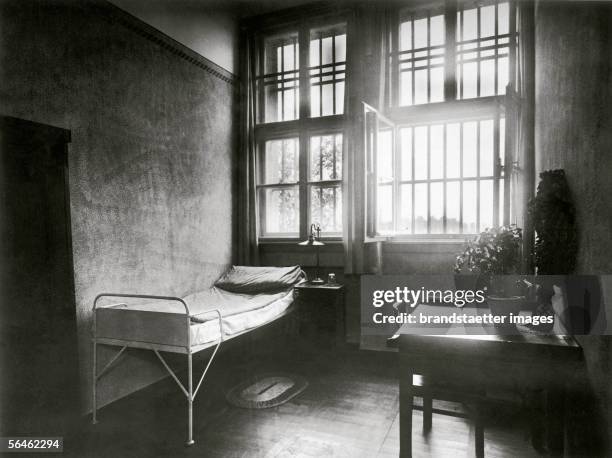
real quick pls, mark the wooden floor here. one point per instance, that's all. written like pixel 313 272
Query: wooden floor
pixel 350 409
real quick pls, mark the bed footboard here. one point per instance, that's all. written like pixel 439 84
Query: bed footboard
pixel 156 331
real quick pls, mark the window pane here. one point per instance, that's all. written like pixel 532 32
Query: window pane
pixel 502 140
pixel 420 87
pixel 421 73
pixel 482 56
pixel 486 148
pixel 327 68
pixel 470 78
pixel 453 150
pixel 470 201
pixel 279 82
pixel 436 208
pixel 420 153
pixel 405 88
pixel 327 105
pixel 502 75
pixel 501 201
pixel 339 97
pixel 487 21
pixel 405 36
pixel 470 27
pixel 437 32
pixel 470 151
pixel 420 33
pixel 340 47
pixel 405 217
pixel 326 208
pixel 453 205
pixel 436 165
pixel 281 161
pixel 384 204
pixel 281 210
pixel 436 76
pixel 486 204
pixel 384 162
pixel 420 208
pixel 503 24
pixel 487 78
pixel 406 153
pixel 326 157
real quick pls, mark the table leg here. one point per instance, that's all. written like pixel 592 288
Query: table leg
pixel 427 410
pixel 406 402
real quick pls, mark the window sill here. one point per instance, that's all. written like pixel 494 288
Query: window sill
pixel 326 241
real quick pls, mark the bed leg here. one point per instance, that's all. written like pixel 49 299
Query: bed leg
pixel 190 440
pixel 94 382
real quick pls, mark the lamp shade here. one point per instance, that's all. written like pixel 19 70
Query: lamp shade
pixel 311 242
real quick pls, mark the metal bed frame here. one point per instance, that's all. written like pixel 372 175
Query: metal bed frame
pixel 187 349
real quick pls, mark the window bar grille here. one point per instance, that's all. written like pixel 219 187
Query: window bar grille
pixel 413 176
pixel 333 69
pixel 295 84
pixel 479 60
pixel 428 56
pixel 461 34
pixel 478 178
pixel 396 161
pixel 444 175
pixel 320 73
pixel 461 176
pixel 320 149
pixel 429 179
pixel 282 81
pixel 412 64
pixel 496 170
pixel 496 83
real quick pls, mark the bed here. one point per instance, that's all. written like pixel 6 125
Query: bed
pixel 243 299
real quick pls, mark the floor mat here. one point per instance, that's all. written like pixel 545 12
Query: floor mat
pixel 266 390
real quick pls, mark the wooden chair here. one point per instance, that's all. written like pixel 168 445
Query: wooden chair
pixel 474 396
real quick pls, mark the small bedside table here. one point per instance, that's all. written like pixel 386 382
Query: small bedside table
pixel 321 306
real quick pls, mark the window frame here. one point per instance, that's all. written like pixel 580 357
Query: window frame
pixel 451 109
pixel 451 9
pixel 305 126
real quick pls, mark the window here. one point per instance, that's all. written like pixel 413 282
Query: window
pixel 300 131
pixel 327 71
pixel 435 163
pixel 475 62
pixel 278 187
pixel 326 182
pixel 483 44
pixel 421 58
pixel 279 81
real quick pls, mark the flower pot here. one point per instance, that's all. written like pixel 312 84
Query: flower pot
pixel 504 306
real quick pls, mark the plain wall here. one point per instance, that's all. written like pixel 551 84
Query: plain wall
pixel 574 132
pixel 150 163
pixel 208 27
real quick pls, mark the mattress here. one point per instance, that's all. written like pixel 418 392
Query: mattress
pixel 239 312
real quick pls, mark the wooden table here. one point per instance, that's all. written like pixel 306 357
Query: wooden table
pixel 547 362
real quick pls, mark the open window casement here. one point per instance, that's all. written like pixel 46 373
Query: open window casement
pixel 509 168
pixel 380 135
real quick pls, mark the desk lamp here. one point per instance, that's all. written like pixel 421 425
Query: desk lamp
pixel 314 241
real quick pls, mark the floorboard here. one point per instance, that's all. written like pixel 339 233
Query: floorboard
pixel 350 409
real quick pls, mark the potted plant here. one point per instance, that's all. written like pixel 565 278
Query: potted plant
pixel 494 258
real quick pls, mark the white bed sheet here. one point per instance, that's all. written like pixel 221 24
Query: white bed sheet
pixel 239 312
pixel 208 331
